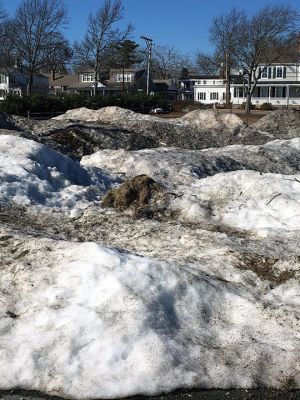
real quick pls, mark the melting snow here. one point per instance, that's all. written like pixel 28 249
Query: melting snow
pixel 33 174
pixel 88 321
pixel 94 322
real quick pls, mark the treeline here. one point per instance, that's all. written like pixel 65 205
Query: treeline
pixel 52 105
pixel 34 38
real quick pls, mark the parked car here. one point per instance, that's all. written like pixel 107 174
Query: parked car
pixel 157 110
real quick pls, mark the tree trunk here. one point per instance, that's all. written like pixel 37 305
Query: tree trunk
pixel 95 83
pixel 227 77
pixel 29 83
pixel 248 103
pixel 227 93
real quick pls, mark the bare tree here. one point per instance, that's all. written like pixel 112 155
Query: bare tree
pixel 7 50
pixel 59 58
pixel 269 36
pixel 223 33
pixel 101 36
pixel 37 34
pixel 209 64
pixel 168 62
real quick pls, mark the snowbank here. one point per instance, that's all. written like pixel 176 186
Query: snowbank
pixel 231 194
pixel 281 123
pixel 212 119
pixel 178 166
pixel 33 174
pixel 106 114
pixel 201 119
pixel 247 200
pixel 86 321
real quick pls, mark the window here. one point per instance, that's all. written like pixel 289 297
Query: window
pixel 3 79
pixel 201 96
pixel 238 92
pixel 264 73
pixel 262 91
pixel 127 77
pixel 214 96
pixel 278 92
pixel 279 73
pixel 87 78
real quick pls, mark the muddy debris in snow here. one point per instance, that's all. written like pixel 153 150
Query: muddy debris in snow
pixel 142 195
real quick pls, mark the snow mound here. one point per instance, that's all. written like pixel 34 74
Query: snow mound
pixel 246 200
pixel 179 166
pixel 281 123
pixel 200 119
pixel 252 188
pixel 212 119
pixel 105 114
pixel 85 321
pixel 33 174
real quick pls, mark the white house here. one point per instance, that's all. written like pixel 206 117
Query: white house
pixel 15 81
pixel 210 90
pixel 278 84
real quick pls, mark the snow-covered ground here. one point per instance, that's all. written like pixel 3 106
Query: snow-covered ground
pixel 97 304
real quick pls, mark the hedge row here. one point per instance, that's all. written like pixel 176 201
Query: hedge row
pixel 16 105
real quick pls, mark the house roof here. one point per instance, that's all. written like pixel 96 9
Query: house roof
pixel 63 80
pixel 201 77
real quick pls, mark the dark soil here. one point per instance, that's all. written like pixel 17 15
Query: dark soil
pixel 253 394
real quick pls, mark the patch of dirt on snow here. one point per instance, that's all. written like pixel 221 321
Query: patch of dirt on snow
pixel 264 268
pixel 141 194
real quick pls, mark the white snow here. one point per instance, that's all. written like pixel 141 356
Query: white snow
pixel 247 200
pixel 33 174
pixel 85 320
pixel 96 323
pixel 243 199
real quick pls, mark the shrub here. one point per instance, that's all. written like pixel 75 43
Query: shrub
pixel 55 104
pixel 266 107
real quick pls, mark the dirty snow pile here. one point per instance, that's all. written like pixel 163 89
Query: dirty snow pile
pixel 210 119
pixel 281 123
pixel 33 174
pixel 207 297
pixel 234 196
pixel 202 119
pixel 105 114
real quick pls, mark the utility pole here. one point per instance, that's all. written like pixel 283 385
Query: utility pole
pixel 149 44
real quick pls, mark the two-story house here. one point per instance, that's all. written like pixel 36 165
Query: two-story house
pixel 278 84
pixel 82 82
pixel 15 81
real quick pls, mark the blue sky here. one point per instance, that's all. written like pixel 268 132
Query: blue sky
pixel 182 24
